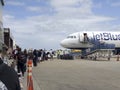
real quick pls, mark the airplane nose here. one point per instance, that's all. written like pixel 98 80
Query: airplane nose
pixel 63 43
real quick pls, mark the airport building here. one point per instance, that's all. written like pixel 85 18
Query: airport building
pixel 1 26
pixel 8 38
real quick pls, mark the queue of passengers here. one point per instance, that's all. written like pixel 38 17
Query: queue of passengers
pixel 21 57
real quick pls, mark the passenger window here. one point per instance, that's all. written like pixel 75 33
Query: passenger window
pixel 68 37
pixel 71 37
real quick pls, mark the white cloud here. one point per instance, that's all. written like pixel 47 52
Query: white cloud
pixel 15 3
pixel 67 7
pixel 8 17
pixel 34 8
pixel 116 4
pixel 97 5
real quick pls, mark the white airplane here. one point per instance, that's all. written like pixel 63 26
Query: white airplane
pixel 84 40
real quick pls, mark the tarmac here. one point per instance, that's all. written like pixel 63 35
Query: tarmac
pixel 76 74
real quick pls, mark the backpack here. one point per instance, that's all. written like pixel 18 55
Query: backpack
pixel 2 86
pixel 21 58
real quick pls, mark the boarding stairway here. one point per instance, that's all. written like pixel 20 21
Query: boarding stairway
pixel 98 48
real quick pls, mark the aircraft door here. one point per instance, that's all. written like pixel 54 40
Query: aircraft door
pixel 83 37
pixel 80 37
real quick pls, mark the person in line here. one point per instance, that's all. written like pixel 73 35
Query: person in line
pixel 39 55
pixel 21 62
pixel 35 59
pixel 8 77
pixel 25 53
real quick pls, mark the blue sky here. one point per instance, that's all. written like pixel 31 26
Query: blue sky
pixel 44 23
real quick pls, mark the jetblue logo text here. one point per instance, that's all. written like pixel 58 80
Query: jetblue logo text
pixel 106 36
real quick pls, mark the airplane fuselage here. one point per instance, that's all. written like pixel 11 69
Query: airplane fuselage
pixel 81 40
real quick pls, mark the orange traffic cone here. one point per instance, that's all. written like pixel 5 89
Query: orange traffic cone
pixel 29 76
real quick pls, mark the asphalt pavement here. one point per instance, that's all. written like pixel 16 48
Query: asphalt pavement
pixel 76 75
